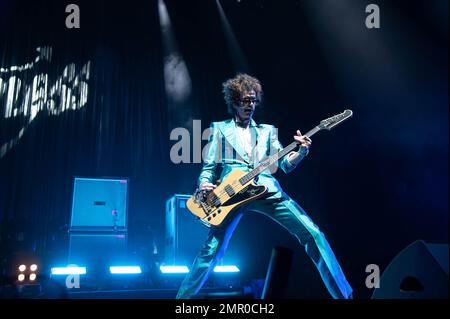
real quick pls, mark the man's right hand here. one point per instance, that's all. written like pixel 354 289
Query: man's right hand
pixel 207 186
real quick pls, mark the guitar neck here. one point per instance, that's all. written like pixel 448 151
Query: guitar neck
pixel 274 158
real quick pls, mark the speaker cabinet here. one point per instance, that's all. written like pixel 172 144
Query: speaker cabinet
pixel 98 249
pixel 99 204
pixel 98 222
pixel 420 271
pixel 185 234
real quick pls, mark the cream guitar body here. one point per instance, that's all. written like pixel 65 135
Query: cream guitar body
pixel 226 198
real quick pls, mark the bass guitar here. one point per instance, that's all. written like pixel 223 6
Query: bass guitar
pixel 239 187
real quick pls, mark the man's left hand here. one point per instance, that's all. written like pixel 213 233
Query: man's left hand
pixel 303 140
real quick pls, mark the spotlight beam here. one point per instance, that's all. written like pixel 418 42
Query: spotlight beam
pixel 176 76
pixel 236 52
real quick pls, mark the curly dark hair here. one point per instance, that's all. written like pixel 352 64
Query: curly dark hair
pixel 235 87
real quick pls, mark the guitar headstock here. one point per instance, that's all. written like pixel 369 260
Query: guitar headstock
pixel 333 121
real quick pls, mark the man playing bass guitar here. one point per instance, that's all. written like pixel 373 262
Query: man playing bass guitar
pixel 240 143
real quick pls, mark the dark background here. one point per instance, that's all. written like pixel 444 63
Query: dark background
pixel 373 185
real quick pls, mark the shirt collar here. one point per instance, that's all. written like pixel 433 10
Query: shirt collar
pixel 251 124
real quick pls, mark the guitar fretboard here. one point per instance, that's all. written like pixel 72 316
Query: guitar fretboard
pixel 274 159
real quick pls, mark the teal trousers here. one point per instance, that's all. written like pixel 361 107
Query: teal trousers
pixel 282 209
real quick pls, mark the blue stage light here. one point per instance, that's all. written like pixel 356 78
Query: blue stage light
pixel 69 271
pixel 231 268
pixel 125 270
pixel 174 269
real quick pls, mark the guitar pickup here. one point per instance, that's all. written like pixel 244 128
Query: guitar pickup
pixel 213 200
pixel 229 190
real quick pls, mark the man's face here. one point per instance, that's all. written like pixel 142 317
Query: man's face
pixel 246 106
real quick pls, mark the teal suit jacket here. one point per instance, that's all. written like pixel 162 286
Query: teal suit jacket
pixel 224 153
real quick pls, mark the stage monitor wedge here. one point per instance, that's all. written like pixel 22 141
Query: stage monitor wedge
pixel 420 271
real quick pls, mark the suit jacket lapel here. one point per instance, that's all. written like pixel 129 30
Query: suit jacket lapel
pixel 230 133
